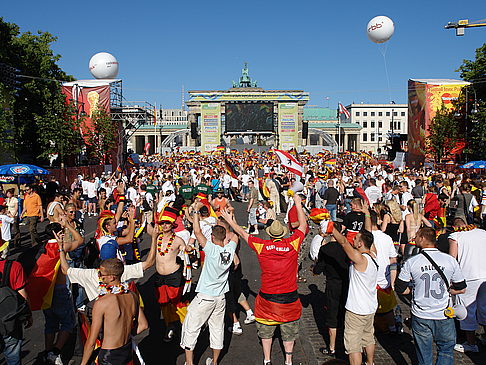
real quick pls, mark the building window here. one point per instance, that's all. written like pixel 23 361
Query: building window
pixel 403 114
pixel 372 137
pixel 380 114
pixel 395 114
pixel 372 124
pixel 365 124
pixel 387 114
pixel 372 114
pixel 398 125
pixel 357 122
pixel 365 114
pixel 357 114
pixel 365 137
pixel 380 124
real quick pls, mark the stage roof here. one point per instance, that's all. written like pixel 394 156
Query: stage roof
pixel 91 83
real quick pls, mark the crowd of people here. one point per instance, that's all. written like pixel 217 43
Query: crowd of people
pixel 383 234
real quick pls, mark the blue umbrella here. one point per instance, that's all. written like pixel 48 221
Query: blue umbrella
pixel 475 165
pixel 22 169
pixel 17 172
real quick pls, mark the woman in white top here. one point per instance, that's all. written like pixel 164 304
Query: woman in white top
pixel 12 203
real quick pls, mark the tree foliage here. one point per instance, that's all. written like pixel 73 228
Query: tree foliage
pixel 35 121
pixel 444 134
pixel 102 136
pixel 473 106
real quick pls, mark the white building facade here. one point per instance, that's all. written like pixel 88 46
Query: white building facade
pixel 378 122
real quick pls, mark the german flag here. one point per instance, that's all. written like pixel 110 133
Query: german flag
pixel 204 199
pixel 40 284
pixel 263 189
pixel 277 308
pixel 130 161
pixel 331 161
pixel 234 151
pixel 321 154
pixel 220 149
pixel 366 155
pixel 230 169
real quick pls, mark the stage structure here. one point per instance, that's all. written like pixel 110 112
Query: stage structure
pixel 224 117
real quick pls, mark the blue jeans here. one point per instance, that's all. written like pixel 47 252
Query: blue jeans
pixel 442 331
pixel 332 209
pixel 11 350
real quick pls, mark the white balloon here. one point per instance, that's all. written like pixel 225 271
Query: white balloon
pixel 103 65
pixel 380 29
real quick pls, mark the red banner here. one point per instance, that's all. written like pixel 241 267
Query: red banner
pixel 86 100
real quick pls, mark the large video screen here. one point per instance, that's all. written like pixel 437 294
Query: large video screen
pixel 243 117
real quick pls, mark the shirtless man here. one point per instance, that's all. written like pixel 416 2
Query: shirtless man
pixel 117 311
pixel 169 281
pixel 220 202
pixel 55 209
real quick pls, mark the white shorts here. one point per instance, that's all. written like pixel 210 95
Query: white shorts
pixel 475 301
pixel 204 308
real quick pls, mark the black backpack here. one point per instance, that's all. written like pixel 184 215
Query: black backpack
pixel 14 309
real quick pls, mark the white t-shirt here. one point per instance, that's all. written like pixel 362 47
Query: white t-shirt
pixel 384 250
pixel 132 195
pixel 214 276
pixel 226 181
pixel 430 296
pixel 91 188
pixel 84 186
pixel 206 225
pixel 89 280
pixel 373 193
pixel 245 178
pixel 5 223
pixel 471 253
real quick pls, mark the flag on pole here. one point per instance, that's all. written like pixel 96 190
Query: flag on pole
pixel 290 162
pixel 230 169
pixel 343 110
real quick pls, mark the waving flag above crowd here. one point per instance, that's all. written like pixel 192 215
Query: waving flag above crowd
pixel 290 162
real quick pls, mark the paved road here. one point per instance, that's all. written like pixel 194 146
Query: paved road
pixel 244 349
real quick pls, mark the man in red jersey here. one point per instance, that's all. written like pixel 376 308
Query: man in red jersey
pixel 277 303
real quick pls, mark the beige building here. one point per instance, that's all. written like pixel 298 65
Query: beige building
pixel 378 122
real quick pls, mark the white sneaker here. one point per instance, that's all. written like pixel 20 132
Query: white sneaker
pixel 249 319
pixel 465 347
pixel 52 358
pixel 236 329
pixel 209 361
pixel 255 232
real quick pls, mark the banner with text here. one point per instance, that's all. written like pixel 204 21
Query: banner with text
pixel 288 122
pixel 210 126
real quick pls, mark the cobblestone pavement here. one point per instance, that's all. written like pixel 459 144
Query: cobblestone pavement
pixel 390 349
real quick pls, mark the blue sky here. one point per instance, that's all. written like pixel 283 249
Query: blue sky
pixel 317 46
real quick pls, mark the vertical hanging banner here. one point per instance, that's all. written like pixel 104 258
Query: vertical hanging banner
pixel 210 126
pixel 288 132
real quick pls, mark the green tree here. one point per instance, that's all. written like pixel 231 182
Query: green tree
pixel 473 106
pixel 37 105
pixel 444 134
pixel 102 136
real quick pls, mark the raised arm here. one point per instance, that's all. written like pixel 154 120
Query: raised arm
pixel 353 254
pixel 300 214
pixel 229 217
pixel 197 227
pixel 150 260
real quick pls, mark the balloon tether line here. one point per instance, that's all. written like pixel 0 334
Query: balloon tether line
pixel 383 53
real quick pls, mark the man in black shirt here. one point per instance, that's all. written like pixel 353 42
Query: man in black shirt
pixel 333 263
pixel 330 199
pixel 354 221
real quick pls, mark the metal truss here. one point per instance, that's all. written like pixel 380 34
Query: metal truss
pixel 132 116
